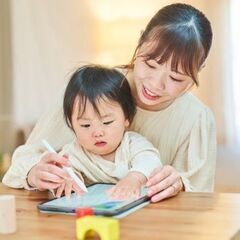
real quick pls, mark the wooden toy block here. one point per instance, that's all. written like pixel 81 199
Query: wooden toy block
pixel 106 228
pixel 83 212
pixel 7 214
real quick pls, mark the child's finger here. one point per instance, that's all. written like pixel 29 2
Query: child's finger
pixel 60 190
pixel 110 191
pixel 68 188
pixel 47 185
pixel 137 193
pixel 77 190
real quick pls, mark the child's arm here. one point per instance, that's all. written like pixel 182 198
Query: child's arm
pixel 144 158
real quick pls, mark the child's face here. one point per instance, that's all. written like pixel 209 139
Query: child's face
pixel 100 134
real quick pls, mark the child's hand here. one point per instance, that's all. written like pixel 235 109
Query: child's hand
pixel 128 186
pixel 67 187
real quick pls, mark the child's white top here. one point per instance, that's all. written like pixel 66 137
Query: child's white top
pixel 135 153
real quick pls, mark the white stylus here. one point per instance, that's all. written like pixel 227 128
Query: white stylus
pixel 67 169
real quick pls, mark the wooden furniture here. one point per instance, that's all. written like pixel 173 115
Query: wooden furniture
pixel 186 216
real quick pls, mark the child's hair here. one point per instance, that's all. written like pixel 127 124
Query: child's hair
pixel 179 31
pixel 95 82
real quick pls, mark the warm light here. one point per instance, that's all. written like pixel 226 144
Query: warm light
pixel 119 26
pixel 111 10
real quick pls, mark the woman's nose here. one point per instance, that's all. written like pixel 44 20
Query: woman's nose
pixel 159 82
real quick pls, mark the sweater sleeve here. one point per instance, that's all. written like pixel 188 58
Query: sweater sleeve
pixel 51 127
pixel 196 157
pixel 145 158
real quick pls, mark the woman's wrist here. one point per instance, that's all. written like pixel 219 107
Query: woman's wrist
pixel 29 178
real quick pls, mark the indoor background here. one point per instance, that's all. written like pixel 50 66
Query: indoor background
pixel 43 41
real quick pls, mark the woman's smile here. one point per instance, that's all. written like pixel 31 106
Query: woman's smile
pixel 149 94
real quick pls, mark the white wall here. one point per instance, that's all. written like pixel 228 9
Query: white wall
pixel 49 39
pixel 6 121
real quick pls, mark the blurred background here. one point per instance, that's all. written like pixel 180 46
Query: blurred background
pixel 43 41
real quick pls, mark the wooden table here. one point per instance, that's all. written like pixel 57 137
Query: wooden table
pixel 187 216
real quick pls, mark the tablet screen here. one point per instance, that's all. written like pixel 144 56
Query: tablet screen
pixel 97 199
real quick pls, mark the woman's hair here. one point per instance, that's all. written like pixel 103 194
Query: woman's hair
pixel 180 32
pixel 94 82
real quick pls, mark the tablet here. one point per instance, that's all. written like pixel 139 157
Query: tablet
pixel 96 198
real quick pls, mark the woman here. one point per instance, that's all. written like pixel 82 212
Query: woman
pixel 170 53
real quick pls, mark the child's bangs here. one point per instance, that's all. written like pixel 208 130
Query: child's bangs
pixel 186 53
pixel 83 102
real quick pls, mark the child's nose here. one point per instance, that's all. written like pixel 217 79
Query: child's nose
pixel 98 133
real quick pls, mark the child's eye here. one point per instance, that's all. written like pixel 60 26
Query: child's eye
pixel 109 122
pixel 85 125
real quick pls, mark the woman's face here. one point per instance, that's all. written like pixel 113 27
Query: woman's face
pixel 156 84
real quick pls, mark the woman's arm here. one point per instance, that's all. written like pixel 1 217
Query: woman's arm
pixel 52 127
pixel 194 166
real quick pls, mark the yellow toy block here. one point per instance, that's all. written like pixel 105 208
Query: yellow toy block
pixel 106 228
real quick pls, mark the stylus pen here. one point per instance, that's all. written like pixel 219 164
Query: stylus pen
pixel 69 170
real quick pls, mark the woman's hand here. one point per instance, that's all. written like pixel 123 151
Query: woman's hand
pixel 164 182
pixel 48 173
pixel 128 186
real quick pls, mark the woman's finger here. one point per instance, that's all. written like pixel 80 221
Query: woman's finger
pixel 53 169
pixel 159 175
pixel 164 184
pixel 43 185
pixel 49 177
pixel 168 192
pixel 55 159
pixel 155 171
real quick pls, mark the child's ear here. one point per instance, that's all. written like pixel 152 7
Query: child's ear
pixel 127 123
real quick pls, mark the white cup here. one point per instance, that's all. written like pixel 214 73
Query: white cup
pixel 7 214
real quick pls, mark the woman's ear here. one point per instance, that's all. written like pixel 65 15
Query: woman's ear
pixel 202 66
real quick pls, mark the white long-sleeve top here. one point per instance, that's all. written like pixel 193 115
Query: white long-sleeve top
pixel 135 153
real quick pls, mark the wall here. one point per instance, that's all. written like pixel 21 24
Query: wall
pixel 49 39
pixel 6 123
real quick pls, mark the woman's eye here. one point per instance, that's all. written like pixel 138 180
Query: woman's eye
pixel 149 65
pixel 107 123
pixel 175 79
pixel 85 125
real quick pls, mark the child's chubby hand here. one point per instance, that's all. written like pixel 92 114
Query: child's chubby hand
pixel 69 186
pixel 130 186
